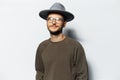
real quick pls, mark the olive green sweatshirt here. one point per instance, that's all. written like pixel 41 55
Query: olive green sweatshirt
pixel 64 60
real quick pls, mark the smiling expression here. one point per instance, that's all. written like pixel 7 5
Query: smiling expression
pixel 55 23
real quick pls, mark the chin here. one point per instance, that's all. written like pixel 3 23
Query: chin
pixel 55 32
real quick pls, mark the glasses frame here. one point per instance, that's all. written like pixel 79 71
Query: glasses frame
pixel 57 19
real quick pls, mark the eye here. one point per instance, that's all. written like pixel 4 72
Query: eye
pixel 58 19
pixel 50 19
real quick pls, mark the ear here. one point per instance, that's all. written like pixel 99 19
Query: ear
pixel 64 24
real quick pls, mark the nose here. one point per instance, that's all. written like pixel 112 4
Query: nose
pixel 54 21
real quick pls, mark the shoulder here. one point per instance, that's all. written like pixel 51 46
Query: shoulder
pixel 74 43
pixel 44 43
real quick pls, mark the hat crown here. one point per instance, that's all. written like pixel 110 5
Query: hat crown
pixel 57 6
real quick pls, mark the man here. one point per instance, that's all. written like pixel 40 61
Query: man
pixel 59 57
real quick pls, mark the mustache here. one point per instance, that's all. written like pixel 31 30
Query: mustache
pixel 53 25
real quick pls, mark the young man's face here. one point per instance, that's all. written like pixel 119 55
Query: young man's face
pixel 55 23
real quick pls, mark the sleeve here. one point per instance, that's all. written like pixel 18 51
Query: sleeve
pixel 80 64
pixel 39 64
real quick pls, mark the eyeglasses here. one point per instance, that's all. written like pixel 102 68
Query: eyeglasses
pixel 58 20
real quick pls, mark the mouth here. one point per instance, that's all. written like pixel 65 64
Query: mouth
pixel 53 26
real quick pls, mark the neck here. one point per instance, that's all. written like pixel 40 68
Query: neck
pixel 57 38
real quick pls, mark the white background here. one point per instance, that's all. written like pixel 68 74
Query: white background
pixel 96 26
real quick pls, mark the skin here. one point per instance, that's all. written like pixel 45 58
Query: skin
pixel 55 27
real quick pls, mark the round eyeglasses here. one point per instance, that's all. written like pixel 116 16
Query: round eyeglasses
pixel 58 20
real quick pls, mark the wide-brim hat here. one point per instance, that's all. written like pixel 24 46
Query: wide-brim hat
pixel 57 8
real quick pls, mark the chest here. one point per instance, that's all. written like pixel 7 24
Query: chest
pixel 57 54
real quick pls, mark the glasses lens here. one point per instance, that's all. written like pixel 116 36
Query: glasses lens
pixel 50 19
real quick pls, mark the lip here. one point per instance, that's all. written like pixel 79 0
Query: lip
pixel 53 26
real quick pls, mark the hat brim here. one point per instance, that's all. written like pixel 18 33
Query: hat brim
pixel 67 15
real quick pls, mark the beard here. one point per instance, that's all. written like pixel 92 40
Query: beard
pixel 59 31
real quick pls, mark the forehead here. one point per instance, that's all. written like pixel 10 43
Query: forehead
pixel 54 15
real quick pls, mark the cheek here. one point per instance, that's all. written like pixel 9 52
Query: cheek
pixel 63 25
pixel 48 24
